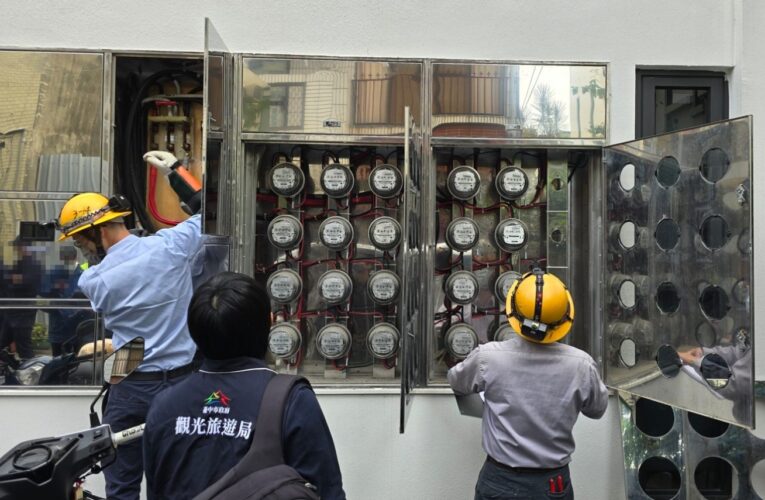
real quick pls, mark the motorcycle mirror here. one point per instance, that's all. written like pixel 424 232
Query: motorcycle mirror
pixel 117 366
pixel 123 361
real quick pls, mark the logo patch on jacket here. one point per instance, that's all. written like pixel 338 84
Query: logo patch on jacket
pixel 217 402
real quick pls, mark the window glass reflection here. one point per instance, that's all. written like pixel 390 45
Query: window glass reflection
pixel 679 108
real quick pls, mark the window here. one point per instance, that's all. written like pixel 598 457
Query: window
pixel 285 108
pixel 674 100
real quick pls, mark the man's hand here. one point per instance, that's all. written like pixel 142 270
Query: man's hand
pixel 162 160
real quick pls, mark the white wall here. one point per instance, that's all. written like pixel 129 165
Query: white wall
pixel 440 455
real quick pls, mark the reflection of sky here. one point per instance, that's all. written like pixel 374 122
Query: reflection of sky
pixel 557 78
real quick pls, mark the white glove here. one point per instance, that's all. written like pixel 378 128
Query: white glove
pixel 162 161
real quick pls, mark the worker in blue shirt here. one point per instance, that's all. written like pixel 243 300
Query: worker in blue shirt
pixel 142 288
pixel 201 427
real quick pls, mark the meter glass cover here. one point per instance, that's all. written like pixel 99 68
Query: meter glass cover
pixel 284 231
pixel 336 233
pixel 336 180
pixel 284 286
pixel 462 234
pixel 383 287
pixel 512 182
pixel 382 340
pixel 461 339
pixel 511 235
pixel 385 181
pixel 283 340
pixel 462 287
pixel 287 179
pixel 385 233
pixel 335 286
pixel 463 182
pixel 333 341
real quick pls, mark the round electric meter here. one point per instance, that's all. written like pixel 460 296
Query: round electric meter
pixel 286 179
pixel 511 235
pixel 503 284
pixel 284 286
pixel 336 180
pixel 336 233
pixel 462 234
pixel 511 183
pixel 462 287
pixel 382 340
pixel 335 286
pixel 383 286
pixel 385 233
pixel 460 340
pixel 333 341
pixel 285 232
pixel 503 333
pixel 284 340
pixel 463 182
pixel 385 181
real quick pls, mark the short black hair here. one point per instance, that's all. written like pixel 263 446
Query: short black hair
pixel 230 316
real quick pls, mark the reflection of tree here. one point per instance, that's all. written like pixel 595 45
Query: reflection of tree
pixel 550 113
pixel 595 91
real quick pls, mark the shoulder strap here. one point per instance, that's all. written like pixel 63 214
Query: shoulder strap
pixel 266 448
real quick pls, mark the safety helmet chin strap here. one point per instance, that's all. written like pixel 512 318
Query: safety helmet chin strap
pixel 93 234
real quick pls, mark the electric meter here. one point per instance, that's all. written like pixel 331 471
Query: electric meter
pixel 460 340
pixel 383 286
pixel 511 235
pixel 284 286
pixel 503 284
pixel 286 179
pixel 463 182
pixel 385 233
pixel 382 340
pixel 462 287
pixel 503 333
pixel 336 233
pixel 336 180
pixel 462 234
pixel 285 232
pixel 333 341
pixel 335 286
pixel 385 181
pixel 511 183
pixel 284 340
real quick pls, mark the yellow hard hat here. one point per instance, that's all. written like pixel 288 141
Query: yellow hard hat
pixel 86 210
pixel 539 307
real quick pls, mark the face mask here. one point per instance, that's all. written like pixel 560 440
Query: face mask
pixel 92 256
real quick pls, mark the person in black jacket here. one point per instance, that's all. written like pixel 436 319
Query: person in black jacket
pixel 200 428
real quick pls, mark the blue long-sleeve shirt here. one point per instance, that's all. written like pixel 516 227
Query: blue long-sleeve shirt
pixel 143 289
pixel 198 429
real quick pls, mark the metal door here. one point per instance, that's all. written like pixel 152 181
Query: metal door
pixel 677 307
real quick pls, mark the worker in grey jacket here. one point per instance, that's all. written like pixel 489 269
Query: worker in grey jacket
pixel 534 389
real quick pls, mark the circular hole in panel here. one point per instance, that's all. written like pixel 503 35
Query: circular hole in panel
pixel 668 361
pixel 659 478
pixel 714 302
pixel 556 235
pixel 627 234
pixel 668 171
pixel 744 242
pixel 628 353
pixel 706 335
pixel 741 292
pixel 716 478
pixel 667 234
pixel 667 298
pixel 557 184
pixel 707 427
pixel 715 371
pixel 627 177
pixel 627 294
pixel 714 232
pixel 652 418
pixel 714 165
pixel 757 476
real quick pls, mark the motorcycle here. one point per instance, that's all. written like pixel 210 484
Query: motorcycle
pixel 55 467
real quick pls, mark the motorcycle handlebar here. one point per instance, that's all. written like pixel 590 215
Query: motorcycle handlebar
pixel 130 434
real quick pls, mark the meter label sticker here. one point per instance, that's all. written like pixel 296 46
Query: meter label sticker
pixel 282 287
pixel 333 288
pixel 334 233
pixel 384 232
pixel 332 343
pixel 513 181
pixel 464 234
pixel 513 234
pixel 284 178
pixel 384 180
pixel 383 342
pixel 462 343
pixel 463 289
pixel 283 232
pixel 384 288
pixel 335 179
pixel 280 343
pixel 464 182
